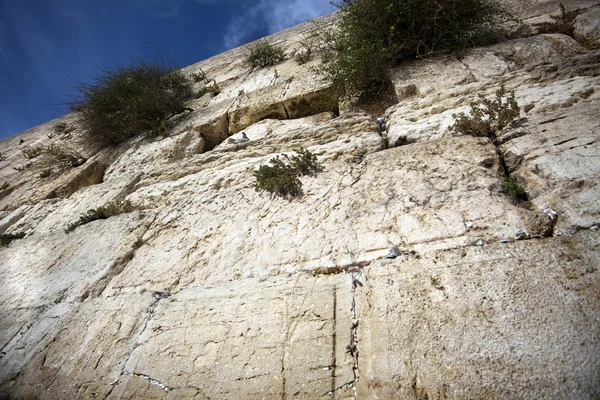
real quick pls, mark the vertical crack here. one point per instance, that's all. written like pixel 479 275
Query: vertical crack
pixel 334 347
pixel 285 340
pixel 353 346
pixel 149 314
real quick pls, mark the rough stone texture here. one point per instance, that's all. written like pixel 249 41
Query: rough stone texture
pixel 503 321
pixel 213 290
pixel 587 27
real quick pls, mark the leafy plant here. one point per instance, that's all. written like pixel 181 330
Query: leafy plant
pixel 282 178
pixel 488 116
pixel 6 238
pixel 198 76
pixel 64 128
pixel 124 101
pixel 307 50
pixel 305 163
pixel 514 190
pixel 372 36
pixel 62 157
pixel 4 186
pixel 562 23
pixel 107 211
pixel 31 152
pixel 262 53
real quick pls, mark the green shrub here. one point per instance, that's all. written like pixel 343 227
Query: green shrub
pixel 262 53
pixel 107 211
pixel 308 47
pixel 282 178
pixel 488 116
pixel 6 238
pixel 374 35
pixel 63 128
pixel 562 23
pixel 124 101
pixel 198 76
pixel 212 89
pixel 31 152
pixel 514 190
pixel 305 163
pixel 61 156
pixel 4 186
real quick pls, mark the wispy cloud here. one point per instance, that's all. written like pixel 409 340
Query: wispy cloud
pixel 271 16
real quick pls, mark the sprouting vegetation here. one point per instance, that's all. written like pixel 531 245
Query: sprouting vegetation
pixel 263 53
pixel 107 211
pixel 6 238
pixel 127 100
pixel 512 188
pixel 562 23
pixel 488 116
pixel 31 152
pixel 282 178
pixel 63 128
pixel 373 36
pixel 198 76
pixel 60 157
pixel 308 48
pixel 4 186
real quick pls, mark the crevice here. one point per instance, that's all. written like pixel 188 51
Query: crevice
pixel 91 174
pixel 353 347
pixel 334 350
pixel 144 325
pixel 287 114
pixel 152 381
pixel 285 341
pixel 334 270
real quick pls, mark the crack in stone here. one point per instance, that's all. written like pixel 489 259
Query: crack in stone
pixel 334 349
pixel 152 381
pixel 149 315
pixel 353 346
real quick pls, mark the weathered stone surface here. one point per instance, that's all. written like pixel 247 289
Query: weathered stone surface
pixel 485 322
pixel 82 351
pixel 587 27
pixel 213 290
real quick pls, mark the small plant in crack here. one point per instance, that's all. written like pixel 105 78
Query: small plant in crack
pixel 107 211
pixel 263 53
pixel 282 178
pixel 488 116
pixel 6 238
pixel 562 23
pixel 512 188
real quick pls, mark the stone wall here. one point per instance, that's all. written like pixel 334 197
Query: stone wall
pixel 214 290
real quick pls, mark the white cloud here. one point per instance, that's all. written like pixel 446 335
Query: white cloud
pixel 275 15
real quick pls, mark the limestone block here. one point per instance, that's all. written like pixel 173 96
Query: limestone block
pixel 587 27
pixel 483 322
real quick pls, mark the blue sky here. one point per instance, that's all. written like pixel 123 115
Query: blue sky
pixel 47 45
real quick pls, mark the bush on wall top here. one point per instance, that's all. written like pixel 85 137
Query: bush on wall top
pixel 124 101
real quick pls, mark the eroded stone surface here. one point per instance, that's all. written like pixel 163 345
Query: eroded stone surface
pixel 213 290
pixel 483 323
